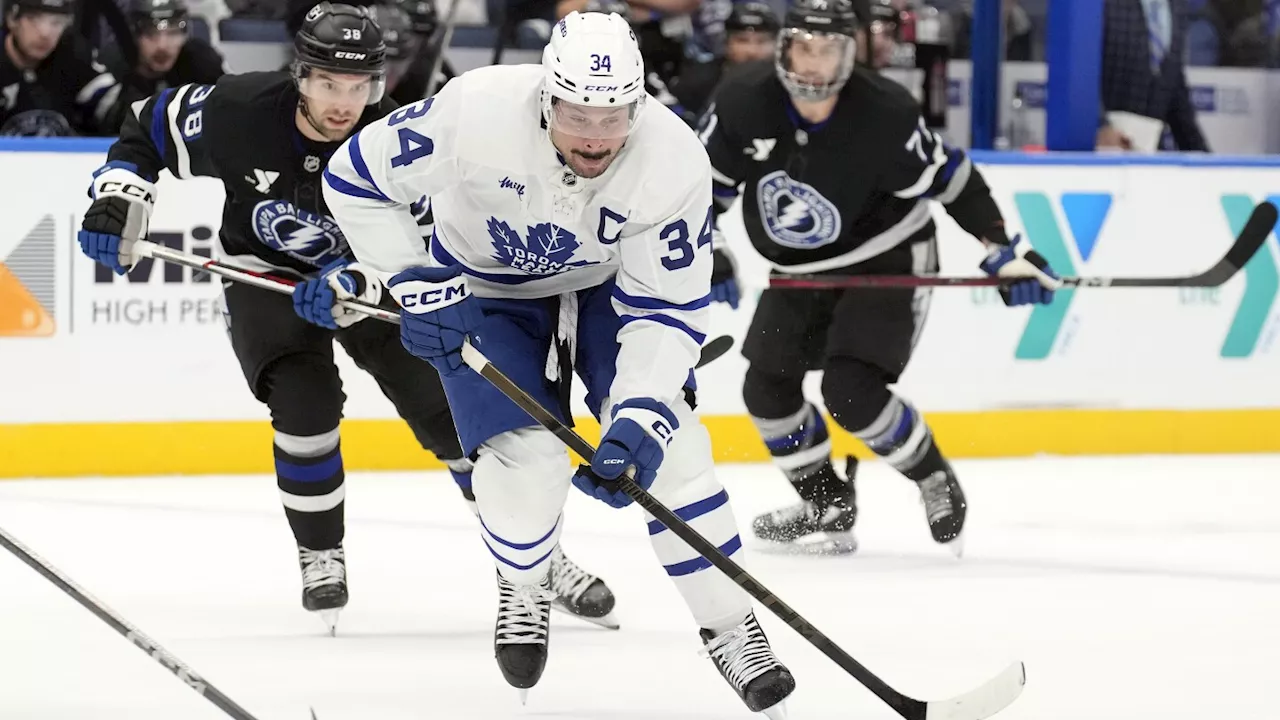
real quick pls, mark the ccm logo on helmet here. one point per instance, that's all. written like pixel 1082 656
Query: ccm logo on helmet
pixel 344 55
pixel 420 297
pixel 601 88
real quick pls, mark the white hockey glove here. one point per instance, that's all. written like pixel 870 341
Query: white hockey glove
pixel 117 219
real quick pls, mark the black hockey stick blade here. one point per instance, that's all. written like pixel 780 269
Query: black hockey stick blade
pixel 1251 238
pixel 714 348
pixel 977 704
pixel 120 625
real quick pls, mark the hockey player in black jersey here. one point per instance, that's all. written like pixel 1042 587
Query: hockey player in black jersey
pixel 167 55
pixel 45 68
pixel 409 27
pixel 268 136
pixel 838 172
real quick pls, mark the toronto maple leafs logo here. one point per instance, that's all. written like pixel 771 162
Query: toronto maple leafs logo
pixel 547 249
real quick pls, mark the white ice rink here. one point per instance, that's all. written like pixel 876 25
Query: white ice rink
pixel 1132 588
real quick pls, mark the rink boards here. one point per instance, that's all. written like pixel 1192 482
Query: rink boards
pixel 104 375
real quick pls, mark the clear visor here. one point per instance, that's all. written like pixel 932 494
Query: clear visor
pixel 327 88
pixel 595 123
pixel 816 58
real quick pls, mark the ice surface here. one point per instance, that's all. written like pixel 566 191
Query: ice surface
pixel 1132 588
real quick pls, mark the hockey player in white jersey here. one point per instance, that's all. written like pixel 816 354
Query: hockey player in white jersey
pixel 573 232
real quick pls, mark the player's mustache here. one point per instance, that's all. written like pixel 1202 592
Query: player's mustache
pixel 593 156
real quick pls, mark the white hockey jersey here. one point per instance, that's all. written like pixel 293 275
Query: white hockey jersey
pixel 522 225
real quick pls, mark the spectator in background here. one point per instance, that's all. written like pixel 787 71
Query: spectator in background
pixel 878 36
pixel 44 68
pixel 1255 42
pixel 751 33
pixel 1142 71
pixel 408 29
pixel 1017 32
pixel 167 56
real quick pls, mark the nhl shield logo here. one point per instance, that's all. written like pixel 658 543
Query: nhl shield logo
pixel 796 215
pixel 311 163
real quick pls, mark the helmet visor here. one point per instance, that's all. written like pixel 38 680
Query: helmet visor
pixel 593 122
pixel 814 65
pixel 335 88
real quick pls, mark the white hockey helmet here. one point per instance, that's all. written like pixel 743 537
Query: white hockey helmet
pixel 593 61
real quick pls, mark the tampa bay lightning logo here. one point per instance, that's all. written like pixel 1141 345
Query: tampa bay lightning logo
pixel 546 250
pixel 310 237
pixel 795 214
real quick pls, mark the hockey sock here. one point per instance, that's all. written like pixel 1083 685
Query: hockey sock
pixel 902 438
pixel 801 448
pixel 312 487
pixel 461 469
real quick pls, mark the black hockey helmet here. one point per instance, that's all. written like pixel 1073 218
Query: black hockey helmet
pixel 397 31
pixel 422 15
pixel 341 38
pixel 158 15
pixel 808 21
pixel 752 15
pixel 57 7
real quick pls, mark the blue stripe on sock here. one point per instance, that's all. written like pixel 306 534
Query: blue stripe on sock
pixel 792 441
pixel 693 510
pixel 515 565
pixel 318 472
pixel 700 563
pixel 521 546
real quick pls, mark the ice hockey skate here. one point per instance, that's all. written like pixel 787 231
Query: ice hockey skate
pixel 324 583
pixel 579 593
pixel 522 633
pixel 945 507
pixel 821 523
pixel 745 659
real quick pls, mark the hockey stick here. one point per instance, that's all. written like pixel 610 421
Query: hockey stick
pixel 1251 237
pixel 438 60
pixel 145 248
pixel 982 702
pixel 122 626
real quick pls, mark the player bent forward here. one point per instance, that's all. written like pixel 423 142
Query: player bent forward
pixel 572 232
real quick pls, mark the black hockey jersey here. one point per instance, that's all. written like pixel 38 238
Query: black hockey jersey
pixel 819 198
pixel 68 82
pixel 242 131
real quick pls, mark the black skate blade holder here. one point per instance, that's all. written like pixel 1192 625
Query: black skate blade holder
pixel 981 702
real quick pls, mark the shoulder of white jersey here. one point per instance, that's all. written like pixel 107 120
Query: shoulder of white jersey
pixel 498 80
pixel 673 162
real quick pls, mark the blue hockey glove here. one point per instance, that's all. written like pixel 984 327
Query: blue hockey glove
pixel 437 312
pixel 1018 260
pixel 724 273
pixel 118 218
pixel 316 299
pixel 638 437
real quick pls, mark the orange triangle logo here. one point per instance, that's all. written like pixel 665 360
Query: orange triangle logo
pixel 21 315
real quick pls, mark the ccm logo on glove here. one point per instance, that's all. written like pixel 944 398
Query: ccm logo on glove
pixel 663 431
pixel 420 297
pixel 125 189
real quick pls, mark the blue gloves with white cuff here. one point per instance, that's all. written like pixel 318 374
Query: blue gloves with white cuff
pixel 1018 260
pixel 316 300
pixel 437 313
pixel 638 436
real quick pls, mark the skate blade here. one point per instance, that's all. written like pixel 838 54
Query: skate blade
pixel 776 712
pixel 524 696
pixel 330 618
pixel 956 545
pixel 608 622
pixel 818 544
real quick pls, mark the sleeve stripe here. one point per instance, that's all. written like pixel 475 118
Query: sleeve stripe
pixel 647 303
pixel 157 123
pixel 724 192
pixel 93 87
pixel 106 102
pixel 669 322
pixel 357 162
pixel 722 178
pixel 347 188
pixel 925 182
pixel 959 179
pixel 179 144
